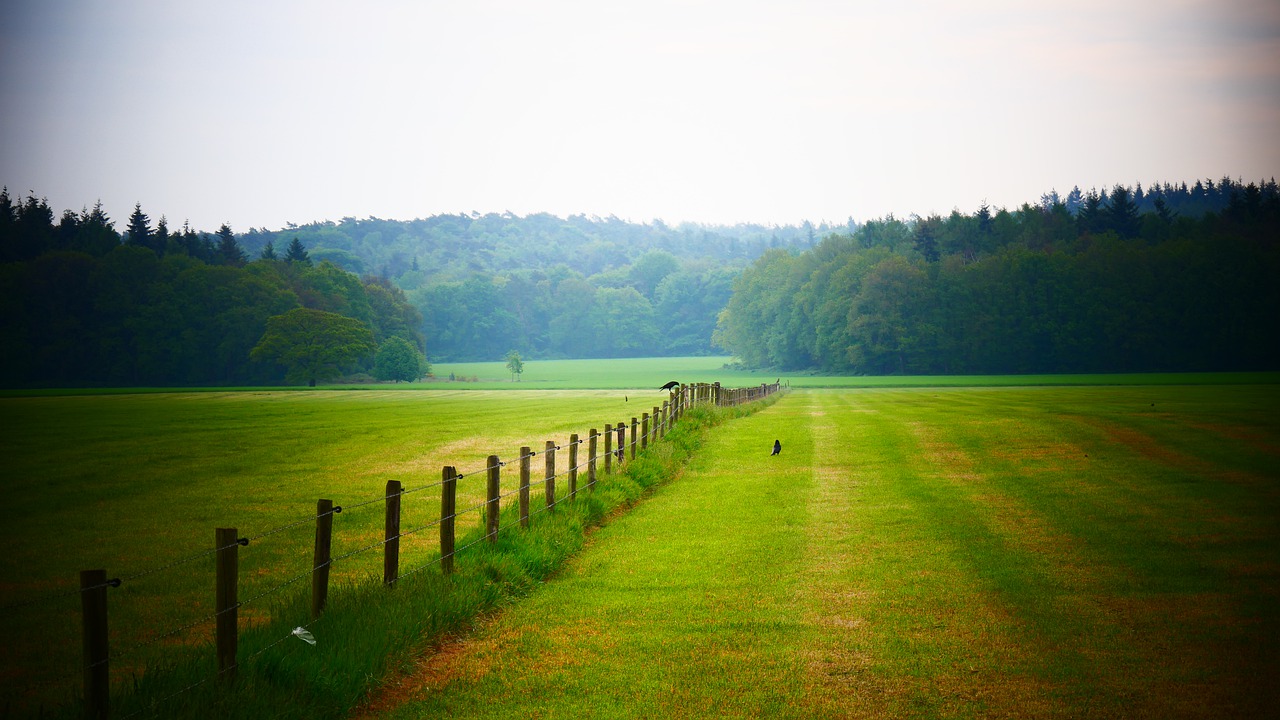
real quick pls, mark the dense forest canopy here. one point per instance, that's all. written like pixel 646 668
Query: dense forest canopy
pixel 80 305
pixel 1167 277
pixel 1088 283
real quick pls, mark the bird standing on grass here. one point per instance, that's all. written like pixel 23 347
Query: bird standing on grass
pixel 777 447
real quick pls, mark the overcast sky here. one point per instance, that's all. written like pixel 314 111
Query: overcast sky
pixel 258 113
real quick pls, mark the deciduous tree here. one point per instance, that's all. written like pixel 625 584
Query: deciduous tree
pixel 515 365
pixel 398 360
pixel 313 344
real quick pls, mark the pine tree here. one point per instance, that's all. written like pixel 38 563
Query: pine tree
pixel 926 237
pixel 139 229
pixel 1090 218
pixel 161 236
pixel 229 251
pixel 297 253
pixel 269 252
pixel 1121 213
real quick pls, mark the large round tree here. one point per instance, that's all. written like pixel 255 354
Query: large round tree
pixel 312 344
pixel 398 359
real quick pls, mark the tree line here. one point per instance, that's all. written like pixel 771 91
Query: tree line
pixel 85 305
pixel 1166 277
pixel 1040 289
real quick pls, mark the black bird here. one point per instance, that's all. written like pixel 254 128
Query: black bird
pixel 777 447
pixel 669 385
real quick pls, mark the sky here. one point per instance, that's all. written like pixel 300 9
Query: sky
pixel 260 113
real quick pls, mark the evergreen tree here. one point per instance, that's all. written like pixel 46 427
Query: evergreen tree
pixel 139 229
pixel 161 237
pixel 269 252
pixel 1090 219
pixel 8 217
pixel 1075 200
pixel 97 235
pixel 984 218
pixel 296 253
pixel 926 237
pixel 229 251
pixel 1121 213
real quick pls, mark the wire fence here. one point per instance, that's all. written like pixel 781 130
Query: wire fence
pixel 95 586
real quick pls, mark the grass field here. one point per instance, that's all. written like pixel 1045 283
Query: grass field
pixel 1052 550
pixel 1034 552
pixel 135 482
pixel 652 372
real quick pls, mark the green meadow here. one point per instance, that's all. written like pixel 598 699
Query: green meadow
pixel 1055 548
pixel 653 372
pixel 137 482
pixel 976 552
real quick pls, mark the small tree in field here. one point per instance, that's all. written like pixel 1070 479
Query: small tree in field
pixel 515 365
pixel 398 359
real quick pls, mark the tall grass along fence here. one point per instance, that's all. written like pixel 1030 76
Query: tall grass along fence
pixel 584 460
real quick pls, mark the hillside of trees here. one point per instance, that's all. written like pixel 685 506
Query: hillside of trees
pixel 583 287
pixel 80 304
pixel 1087 283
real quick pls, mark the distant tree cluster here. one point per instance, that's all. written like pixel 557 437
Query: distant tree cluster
pixel 452 247
pixel 1108 288
pixel 654 307
pixel 83 305
pixel 553 287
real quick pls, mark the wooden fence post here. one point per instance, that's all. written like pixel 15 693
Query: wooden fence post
pixel 573 466
pixel 608 448
pixel 635 426
pixel 644 430
pixel 551 473
pixel 622 441
pixel 226 601
pixel 448 503
pixel 495 496
pixel 715 394
pixel 525 455
pixel 666 419
pixel 97 672
pixel 320 569
pixel 653 429
pixel 592 438
pixel 391 546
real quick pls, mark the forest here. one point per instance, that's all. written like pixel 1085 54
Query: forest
pixel 550 287
pixel 80 305
pixel 1163 279
pixel 1169 277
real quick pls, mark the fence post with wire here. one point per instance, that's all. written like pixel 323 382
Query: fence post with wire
pixel 97 673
